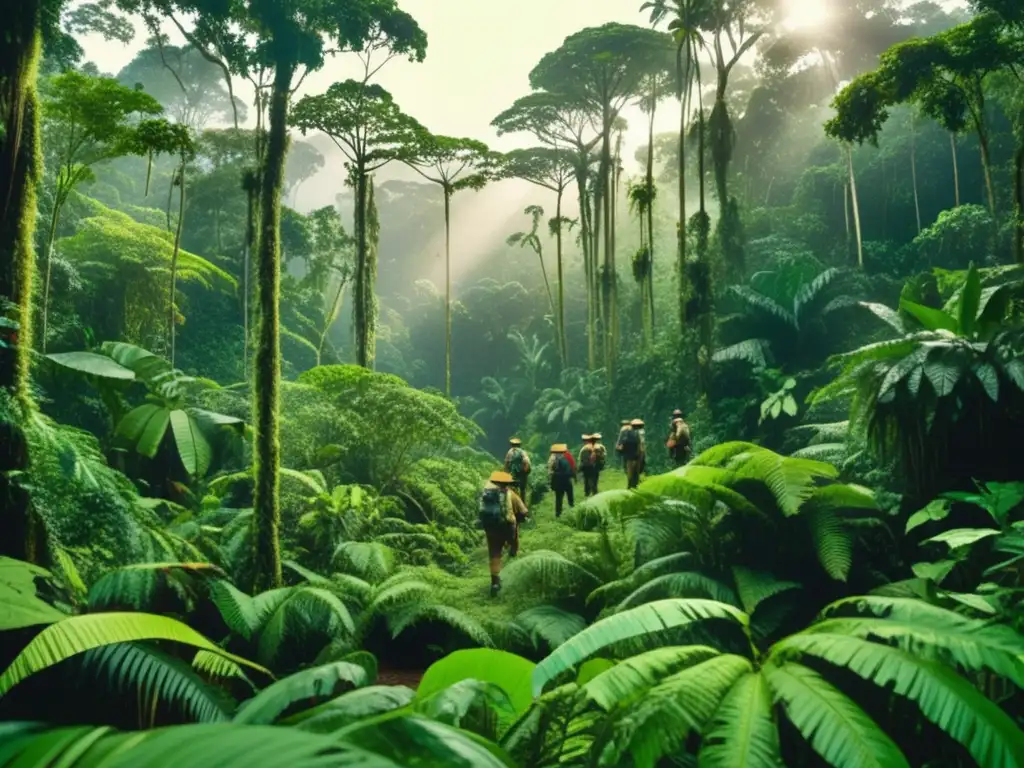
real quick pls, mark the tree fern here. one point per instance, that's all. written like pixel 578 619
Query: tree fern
pixel 743 733
pixel 545 572
pixel 77 634
pixel 295 612
pixel 367 560
pixel 550 624
pixel 835 726
pixel 153 676
pixel 620 685
pixel 678 705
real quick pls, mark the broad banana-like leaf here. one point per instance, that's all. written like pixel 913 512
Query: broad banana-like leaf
pixel 144 427
pixel 315 683
pixel 77 634
pixel 94 365
pixel 506 670
pixel 193 447
pixel 835 726
pixel 645 619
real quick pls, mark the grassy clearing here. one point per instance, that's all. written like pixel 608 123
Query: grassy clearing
pixel 470 592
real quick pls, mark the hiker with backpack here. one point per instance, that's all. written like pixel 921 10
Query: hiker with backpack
pixel 517 464
pixel 592 459
pixel 631 447
pixel 623 428
pixel 562 475
pixel 679 444
pixel 501 511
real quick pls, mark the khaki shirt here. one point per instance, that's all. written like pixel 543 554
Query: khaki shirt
pixel 680 432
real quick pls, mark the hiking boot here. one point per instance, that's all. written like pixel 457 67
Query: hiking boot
pixel 495 589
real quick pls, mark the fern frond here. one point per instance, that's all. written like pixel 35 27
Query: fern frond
pixel 544 573
pixel 754 351
pixel 444 614
pixel 551 624
pixel 687 584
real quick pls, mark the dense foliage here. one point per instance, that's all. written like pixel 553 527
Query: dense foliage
pixel 243 435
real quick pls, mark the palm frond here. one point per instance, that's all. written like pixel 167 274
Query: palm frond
pixel 836 728
pixel 743 730
pixel 623 683
pixel 679 585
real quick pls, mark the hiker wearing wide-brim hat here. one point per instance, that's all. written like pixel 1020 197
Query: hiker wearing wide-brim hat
pixel 517 464
pixel 561 475
pixel 624 427
pixel 679 442
pixel 633 449
pixel 592 459
pixel 501 512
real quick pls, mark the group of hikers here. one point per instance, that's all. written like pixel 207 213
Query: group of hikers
pixel 502 505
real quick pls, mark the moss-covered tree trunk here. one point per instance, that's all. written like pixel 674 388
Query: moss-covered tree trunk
pixel 359 284
pixel 20 169
pixel 582 177
pixel 372 226
pixel 1018 203
pixel 684 89
pixel 956 170
pixel 266 383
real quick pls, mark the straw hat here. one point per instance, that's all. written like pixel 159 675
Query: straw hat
pixel 677 412
pixel 515 441
pixel 588 437
pixel 501 477
pixel 637 422
pixel 625 422
pixel 559 448
pixel 596 436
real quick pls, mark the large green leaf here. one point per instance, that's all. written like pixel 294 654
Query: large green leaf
pixel 931 319
pixel 94 365
pixel 146 365
pixel 643 620
pixel 838 730
pixel 551 624
pixel 635 675
pixel 742 733
pixel 416 742
pixel 193 448
pixel 945 698
pixel 509 672
pixel 22 607
pixel 78 634
pixel 315 683
pixel 970 300
pixel 961 537
pixel 144 427
pixel 401 742
pixel 944 373
pixel 351 707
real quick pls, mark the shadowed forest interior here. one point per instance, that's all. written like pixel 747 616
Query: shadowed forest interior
pixel 287 287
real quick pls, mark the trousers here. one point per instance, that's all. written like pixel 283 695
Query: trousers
pixel 560 494
pixel 590 478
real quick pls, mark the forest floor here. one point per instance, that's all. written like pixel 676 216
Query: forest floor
pixel 471 592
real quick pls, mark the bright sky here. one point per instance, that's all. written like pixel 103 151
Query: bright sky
pixel 479 56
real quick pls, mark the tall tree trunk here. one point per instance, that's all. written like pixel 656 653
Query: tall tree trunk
pixel 650 204
pixel 613 205
pixel 856 207
pixel 359 286
pixel 1018 202
pixel 588 264
pixel 913 172
pixel 267 381
pixel 372 226
pixel 986 166
pixel 447 292
pixel 51 237
pixel 956 169
pixel 251 184
pixel 596 250
pixel 606 207
pixel 171 334
pixel 562 342
pixel 21 530
pixel 332 315
pixel 681 224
